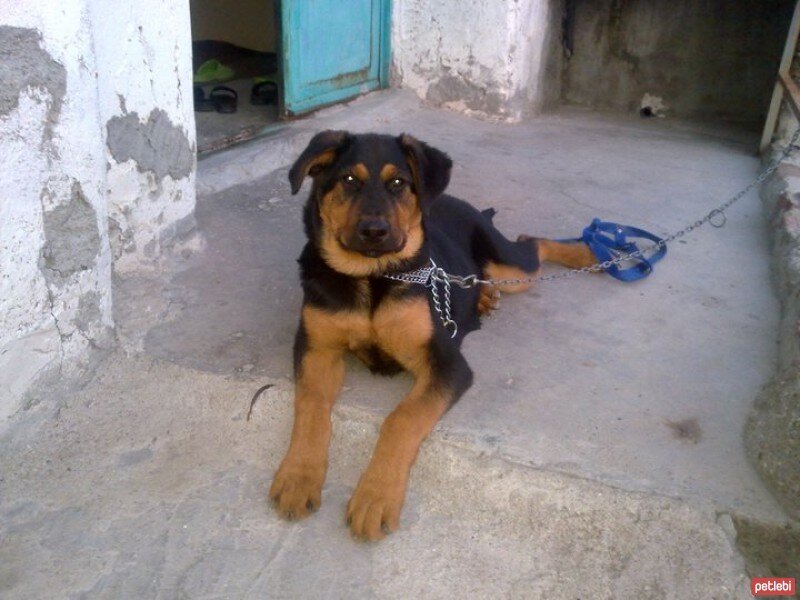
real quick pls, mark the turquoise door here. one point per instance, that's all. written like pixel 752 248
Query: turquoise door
pixel 332 50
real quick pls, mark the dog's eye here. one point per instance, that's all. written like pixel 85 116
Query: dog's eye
pixel 396 184
pixel 350 180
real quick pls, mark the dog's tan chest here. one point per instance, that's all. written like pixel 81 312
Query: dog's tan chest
pixel 401 328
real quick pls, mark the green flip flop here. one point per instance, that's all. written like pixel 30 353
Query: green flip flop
pixel 212 70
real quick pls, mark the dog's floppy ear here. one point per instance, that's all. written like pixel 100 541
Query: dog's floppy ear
pixel 320 152
pixel 429 166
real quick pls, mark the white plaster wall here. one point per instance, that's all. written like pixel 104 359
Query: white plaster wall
pixel 37 317
pixel 118 59
pixel 482 57
pixel 538 29
pixel 144 63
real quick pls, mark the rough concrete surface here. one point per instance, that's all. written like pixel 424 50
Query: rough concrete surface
pixel 715 58
pixel 25 64
pixel 66 70
pixel 773 439
pixel 52 196
pixel 769 550
pixel 151 484
pixel 488 59
pixel 155 144
pixel 143 53
pixel 599 454
pixel 773 429
pixel 583 376
pixel 72 240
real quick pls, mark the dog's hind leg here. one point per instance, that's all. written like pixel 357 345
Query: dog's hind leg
pixel 521 260
pixel 574 255
pixel 503 259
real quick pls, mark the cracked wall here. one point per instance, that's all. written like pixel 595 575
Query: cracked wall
pixel 97 141
pixel 30 67
pixel 713 58
pixel 487 59
pixel 71 238
pixel 50 193
pixel 148 124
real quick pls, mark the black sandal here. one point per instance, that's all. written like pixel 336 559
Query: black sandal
pixel 201 103
pixel 263 93
pixel 224 99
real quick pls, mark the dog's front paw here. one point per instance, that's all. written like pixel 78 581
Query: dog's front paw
pixel 489 300
pixel 296 491
pixel 374 509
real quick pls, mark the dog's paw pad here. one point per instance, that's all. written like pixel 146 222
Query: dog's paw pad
pixel 373 513
pixel 295 494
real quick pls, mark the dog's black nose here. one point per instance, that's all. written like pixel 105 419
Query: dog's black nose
pixel 373 230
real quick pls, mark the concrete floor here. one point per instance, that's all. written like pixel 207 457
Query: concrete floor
pixel 598 454
pixel 220 130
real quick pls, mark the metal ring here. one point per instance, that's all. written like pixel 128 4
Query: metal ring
pixel 716 213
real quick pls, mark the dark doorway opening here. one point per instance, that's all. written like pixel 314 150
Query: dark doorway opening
pixel 236 70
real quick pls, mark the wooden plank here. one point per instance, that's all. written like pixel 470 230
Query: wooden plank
pixel 783 69
pixel 772 117
pixel 793 91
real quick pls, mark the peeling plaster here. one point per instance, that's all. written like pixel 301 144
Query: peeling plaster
pixel 72 240
pixel 155 145
pixel 99 161
pixel 487 59
pixel 25 64
pixel 452 88
pixel 89 312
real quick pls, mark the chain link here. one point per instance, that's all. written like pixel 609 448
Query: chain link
pixel 434 276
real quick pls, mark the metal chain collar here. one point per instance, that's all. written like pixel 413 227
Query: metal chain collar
pixel 434 276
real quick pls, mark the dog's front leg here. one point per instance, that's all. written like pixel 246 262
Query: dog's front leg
pixel 405 331
pixel 319 372
pixel 374 509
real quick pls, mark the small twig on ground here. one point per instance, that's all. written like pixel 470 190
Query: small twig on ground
pixel 259 391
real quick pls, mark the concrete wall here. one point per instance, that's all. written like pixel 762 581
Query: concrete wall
pixel 504 59
pixel 247 23
pixel 772 434
pixel 97 140
pixel 147 125
pixel 489 59
pixel 702 58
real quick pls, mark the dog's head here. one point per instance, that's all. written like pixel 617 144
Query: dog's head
pixel 369 196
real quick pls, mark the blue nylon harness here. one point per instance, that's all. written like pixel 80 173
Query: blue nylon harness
pixel 610 240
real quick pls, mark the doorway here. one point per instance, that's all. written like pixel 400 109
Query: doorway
pixel 235 69
pixel 256 62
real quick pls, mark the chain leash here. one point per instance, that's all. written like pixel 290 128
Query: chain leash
pixel 434 276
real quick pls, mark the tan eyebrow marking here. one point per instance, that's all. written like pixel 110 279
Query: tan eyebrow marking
pixel 388 171
pixel 361 171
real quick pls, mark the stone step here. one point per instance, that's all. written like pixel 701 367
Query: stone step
pixel 150 483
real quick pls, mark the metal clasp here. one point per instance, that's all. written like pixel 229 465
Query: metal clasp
pixel 465 283
pixel 448 324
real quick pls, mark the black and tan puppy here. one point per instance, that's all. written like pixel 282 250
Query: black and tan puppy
pixel 377 207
